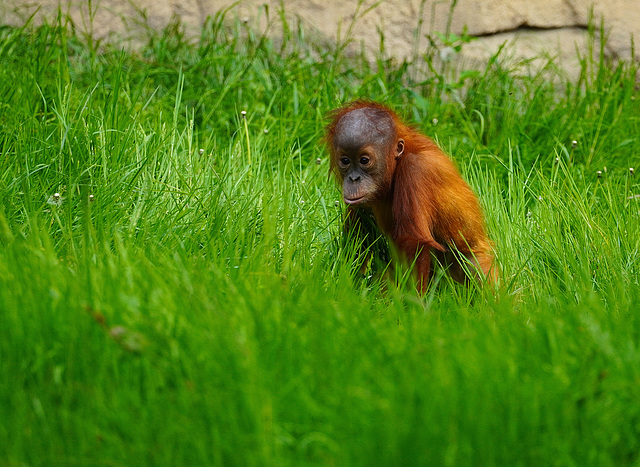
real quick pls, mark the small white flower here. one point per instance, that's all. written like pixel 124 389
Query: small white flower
pixel 434 121
pixel 244 114
pixel 574 144
pixel 55 199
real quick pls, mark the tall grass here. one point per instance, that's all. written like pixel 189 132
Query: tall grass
pixel 168 299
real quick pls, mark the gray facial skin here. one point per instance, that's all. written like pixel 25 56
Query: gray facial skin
pixel 362 140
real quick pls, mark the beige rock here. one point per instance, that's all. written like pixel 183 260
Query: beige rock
pixel 556 27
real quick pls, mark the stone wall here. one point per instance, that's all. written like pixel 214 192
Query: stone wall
pixel 529 27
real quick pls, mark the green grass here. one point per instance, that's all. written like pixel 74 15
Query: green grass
pixel 204 311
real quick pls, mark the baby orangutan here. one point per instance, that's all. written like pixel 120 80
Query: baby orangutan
pixel 418 198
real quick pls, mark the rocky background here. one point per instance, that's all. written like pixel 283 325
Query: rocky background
pixel 528 27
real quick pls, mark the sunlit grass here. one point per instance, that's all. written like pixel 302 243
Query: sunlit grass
pixel 186 298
